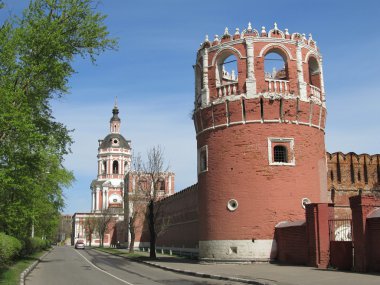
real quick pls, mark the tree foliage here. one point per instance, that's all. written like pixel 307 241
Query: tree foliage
pixel 37 50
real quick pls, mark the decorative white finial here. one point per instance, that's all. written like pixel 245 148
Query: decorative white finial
pixel 275 26
pixel 310 37
pixel 216 38
pixel 263 30
pixel 237 31
pixel 206 38
pixel 116 102
pixel 249 29
pixel 304 36
pixel 286 32
pixel 233 76
pixel 226 32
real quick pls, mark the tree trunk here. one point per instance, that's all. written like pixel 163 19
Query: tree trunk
pixel 132 244
pixel 152 231
pixel 133 236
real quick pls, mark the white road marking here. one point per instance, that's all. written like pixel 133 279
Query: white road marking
pixel 126 282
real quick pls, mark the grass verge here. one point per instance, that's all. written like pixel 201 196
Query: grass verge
pixel 138 254
pixel 134 255
pixel 10 274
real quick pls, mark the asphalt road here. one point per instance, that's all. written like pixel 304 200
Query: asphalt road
pixel 65 265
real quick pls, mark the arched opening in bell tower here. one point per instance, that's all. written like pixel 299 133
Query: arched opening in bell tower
pixel 115 167
pixel 104 169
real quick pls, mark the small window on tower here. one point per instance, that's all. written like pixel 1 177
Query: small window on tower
pixel 280 153
pixel 202 159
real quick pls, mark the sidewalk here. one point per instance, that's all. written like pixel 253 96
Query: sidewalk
pixel 262 273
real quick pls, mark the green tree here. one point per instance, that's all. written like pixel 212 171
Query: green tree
pixel 37 51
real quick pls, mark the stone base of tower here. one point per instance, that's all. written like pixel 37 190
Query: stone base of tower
pixel 238 250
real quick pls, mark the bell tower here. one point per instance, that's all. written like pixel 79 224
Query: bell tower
pixel 114 159
pixel 260 138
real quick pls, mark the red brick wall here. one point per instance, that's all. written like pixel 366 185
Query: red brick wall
pixel 181 225
pixel 350 173
pixel 292 244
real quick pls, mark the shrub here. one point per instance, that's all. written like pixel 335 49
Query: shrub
pixel 10 248
pixel 35 244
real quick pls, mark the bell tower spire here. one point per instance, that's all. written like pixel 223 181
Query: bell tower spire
pixel 115 120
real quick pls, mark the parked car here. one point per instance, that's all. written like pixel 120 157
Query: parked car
pixel 79 244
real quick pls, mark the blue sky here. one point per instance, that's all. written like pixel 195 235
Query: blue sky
pixel 152 76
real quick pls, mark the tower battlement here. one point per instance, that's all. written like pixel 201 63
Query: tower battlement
pixel 300 77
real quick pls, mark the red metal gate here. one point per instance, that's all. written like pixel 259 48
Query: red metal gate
pixel 341 246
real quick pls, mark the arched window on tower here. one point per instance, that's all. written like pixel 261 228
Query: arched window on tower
pixel 314 72
pixel 276 72
pixel 227 70
pixel 226 75
pixel 115 167
pixel 275 65
pixel 280 154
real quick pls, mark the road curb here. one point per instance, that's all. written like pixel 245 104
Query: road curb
pixel 205 275
pixel 26 272
pixel 192 273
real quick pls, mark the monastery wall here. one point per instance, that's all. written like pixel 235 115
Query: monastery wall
pixel 179 228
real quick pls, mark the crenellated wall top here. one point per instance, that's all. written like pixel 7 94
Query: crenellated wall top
pixel 273 35
pixel 370 158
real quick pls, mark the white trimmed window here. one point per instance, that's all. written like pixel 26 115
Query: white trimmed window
pixel 202 159
pixel 281 151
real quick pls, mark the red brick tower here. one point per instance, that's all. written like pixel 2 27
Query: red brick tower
pixel 260 138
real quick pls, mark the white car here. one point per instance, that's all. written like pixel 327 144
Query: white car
pixel 79 244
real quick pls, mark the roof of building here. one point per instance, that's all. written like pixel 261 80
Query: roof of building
pixel 107 142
